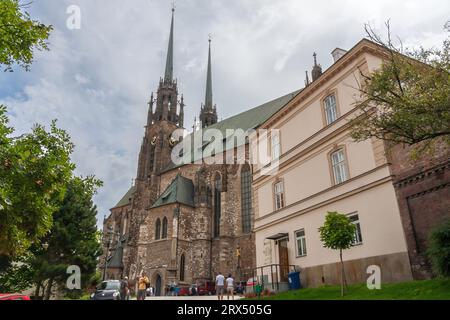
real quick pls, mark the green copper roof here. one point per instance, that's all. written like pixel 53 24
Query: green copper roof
pixel 247 120
pixel 168 76
pixel 209 95
pixel 181 190
pixel 253 118
pixel 126 198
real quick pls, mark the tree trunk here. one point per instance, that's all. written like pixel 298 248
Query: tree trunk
pixel 342 273
pixel 38 288
pixel 49 289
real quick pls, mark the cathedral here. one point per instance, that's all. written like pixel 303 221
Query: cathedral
pixel 184 223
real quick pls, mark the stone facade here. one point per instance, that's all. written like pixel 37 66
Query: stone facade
pixel 183 241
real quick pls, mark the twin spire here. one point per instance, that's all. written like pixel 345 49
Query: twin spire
pixel 168 76
pixel 208 113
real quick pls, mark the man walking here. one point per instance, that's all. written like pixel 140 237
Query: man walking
pixel 230 287
pixel 220 279
pixel 124 289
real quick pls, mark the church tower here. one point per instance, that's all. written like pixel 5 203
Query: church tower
pixel 208 113
pixel 165 114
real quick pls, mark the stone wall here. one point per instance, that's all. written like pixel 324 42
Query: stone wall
pixel 423 192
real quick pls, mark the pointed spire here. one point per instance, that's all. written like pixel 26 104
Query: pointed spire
pixel 317 69
pixel 208 113
pixel 209 95
pixel 168 76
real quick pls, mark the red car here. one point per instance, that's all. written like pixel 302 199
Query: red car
pixel 207 288
pixel 184 291
pixel 13 296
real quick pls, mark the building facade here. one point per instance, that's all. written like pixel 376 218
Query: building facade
pixel 321 169
pixel 183 223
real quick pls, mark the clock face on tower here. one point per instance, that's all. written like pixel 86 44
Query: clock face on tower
pixel 154 140
pixel 172 142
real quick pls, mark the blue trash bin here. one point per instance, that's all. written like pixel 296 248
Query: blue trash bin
pixel 294 280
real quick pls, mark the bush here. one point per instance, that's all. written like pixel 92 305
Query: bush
pixel 439 249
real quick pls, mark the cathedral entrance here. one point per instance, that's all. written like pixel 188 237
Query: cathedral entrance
pixel 158 285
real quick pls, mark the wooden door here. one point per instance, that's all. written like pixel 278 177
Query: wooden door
pixel 283 260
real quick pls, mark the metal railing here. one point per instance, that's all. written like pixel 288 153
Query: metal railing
pixel 274 274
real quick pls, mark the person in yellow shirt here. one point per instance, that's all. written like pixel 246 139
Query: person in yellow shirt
pixel 143 283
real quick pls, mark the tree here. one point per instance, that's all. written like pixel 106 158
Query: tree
pixel 34 171
pixel 73 238
pixel 20 35
pixel 338 233
pixel 407 100
pixel 439 249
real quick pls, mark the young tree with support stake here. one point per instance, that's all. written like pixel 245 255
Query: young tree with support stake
pixel 338 233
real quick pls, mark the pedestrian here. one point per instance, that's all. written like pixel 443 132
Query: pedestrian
pixel 220 279
pixel 142 286
pixel 230 287
pixel 124 289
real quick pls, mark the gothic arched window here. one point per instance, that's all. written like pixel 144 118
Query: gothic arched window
pixel 246 199
pixel 164 228
pixel 158 229
pixel 182 267
pixel 217 204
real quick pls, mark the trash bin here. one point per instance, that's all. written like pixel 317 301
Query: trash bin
pixel 294 280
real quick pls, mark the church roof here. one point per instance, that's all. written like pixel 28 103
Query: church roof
pixel 181 190
pixel 126 199
pixel 250 119
pixel 253 118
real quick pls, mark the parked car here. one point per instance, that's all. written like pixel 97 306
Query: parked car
pixel 207 288
pixel 107 290
pixel 13 296
pixel 184 291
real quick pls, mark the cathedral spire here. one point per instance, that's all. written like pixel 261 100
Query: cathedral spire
pixel 209 95
pixel 168 76
pixel 208 113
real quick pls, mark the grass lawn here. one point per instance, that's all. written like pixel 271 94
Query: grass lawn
pixel 436 289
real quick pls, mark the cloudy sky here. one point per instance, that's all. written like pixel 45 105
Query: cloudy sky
pixel 97 80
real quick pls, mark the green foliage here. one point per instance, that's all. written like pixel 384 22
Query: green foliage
pixel 338 231
pixel 17 277
pixel 73 237
pixel 34 170
pixel 439 249
pixel 20 35
pixel 407 100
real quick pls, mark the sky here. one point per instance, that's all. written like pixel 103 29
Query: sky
pixel 97 80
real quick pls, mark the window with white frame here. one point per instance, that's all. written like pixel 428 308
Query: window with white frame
pixel 301 242
pixel 330 109
pixel 339 165
pixel 354 218
pixel 279 195
pixel 275 146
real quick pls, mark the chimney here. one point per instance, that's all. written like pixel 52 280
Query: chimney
pixel 338 53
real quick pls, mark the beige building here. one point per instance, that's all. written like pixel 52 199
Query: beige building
pixel 322 169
